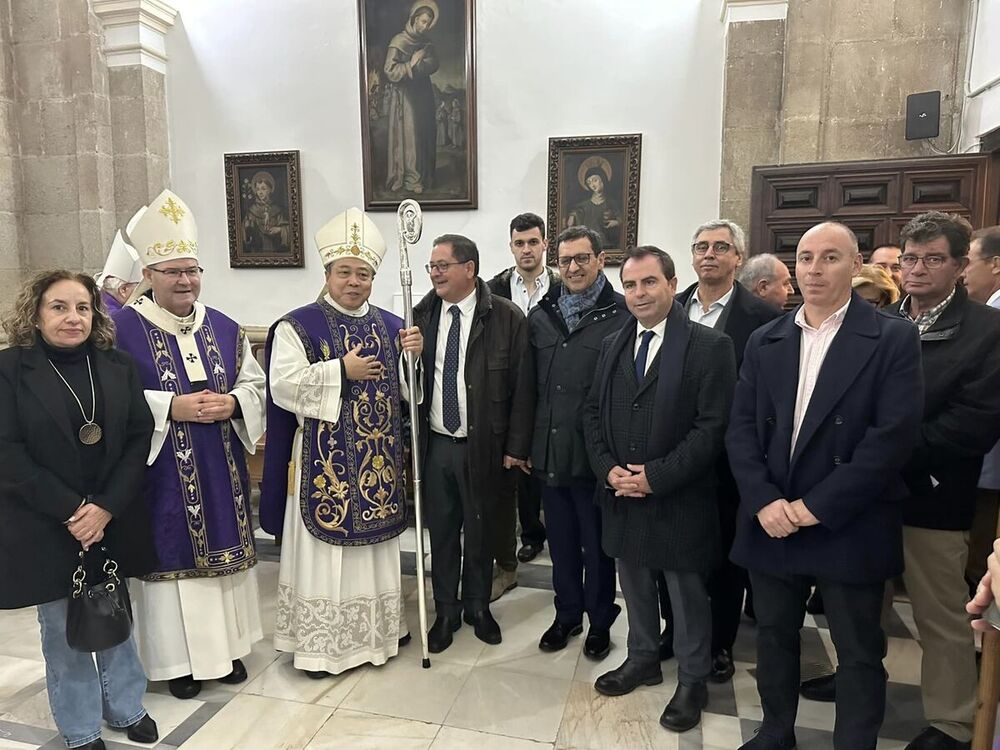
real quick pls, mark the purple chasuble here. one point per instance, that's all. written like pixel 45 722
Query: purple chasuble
pixel 351 490
pixel 111 302
pixel 197 489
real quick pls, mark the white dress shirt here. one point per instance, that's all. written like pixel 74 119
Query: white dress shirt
pixel 697 313
pixel 521 296
pixel 467 309
pixel 812 351
pixel 654 343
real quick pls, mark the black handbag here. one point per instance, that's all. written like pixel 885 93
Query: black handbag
pixel 99 616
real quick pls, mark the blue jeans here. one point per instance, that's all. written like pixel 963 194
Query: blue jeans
pixel 80 695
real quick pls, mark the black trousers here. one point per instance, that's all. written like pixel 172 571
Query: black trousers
pixel 529 508
pixel 450 505
pixel 854 613
pixel 583 577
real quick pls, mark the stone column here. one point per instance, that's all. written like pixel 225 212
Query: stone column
pixel 64 134
pixel 136 59
pixel 12 258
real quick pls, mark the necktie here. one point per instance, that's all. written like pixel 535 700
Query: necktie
pixel 449 380
pixel 640 357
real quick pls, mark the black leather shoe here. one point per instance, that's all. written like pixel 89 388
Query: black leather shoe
pixel 97 744
pixel 487 629
pixel 814 605
pixel 934 739
pixel 143 731
pixel 440 635
pixel 317 674
pixel 723 668
pixel 683 712
pixel 760 742
pixel 184 687
pixel 822 689
pixel 666 644
pixel 405 640
pixel 628 677
pixel 238 675
pixel 598 643
pixel 529 551
pixel 558 635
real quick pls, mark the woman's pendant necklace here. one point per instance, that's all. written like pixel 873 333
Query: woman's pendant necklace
pixel 91 432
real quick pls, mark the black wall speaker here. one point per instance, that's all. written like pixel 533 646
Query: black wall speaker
pixel 923 115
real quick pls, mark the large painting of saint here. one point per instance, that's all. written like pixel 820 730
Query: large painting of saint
pixel 594 182
pixel 418 103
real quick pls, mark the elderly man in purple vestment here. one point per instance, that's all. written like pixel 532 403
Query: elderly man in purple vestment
pixel 333 470
pixel 122 269
pixel 198 613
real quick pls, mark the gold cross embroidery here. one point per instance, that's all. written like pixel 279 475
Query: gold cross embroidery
pixel 172 211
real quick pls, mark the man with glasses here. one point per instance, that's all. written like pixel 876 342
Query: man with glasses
pixel 886 257
pixel 199 612
pixel 476 420
pixel 334 466
pixel 718 301
pixel 960 343
pixel 524 284
pixel 567 328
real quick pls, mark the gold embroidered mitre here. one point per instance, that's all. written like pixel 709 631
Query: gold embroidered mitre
pixel 123 261
pixel 351 235
pixel 166 231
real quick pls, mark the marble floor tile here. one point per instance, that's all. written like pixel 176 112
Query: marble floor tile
pixel 593 721
pixel 465 648
pixel 452 738
pixel 717 733
pixel 402 688
pixel 16 674
pixel 19 635
pixel 282 680
pixel 261 656
pixel 516 705
pixel 32 709
pixel 11 745
pixel 168 713
pixel 354 730
pixel 253 722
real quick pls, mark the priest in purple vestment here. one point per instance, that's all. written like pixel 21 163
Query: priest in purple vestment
pixel 122 270
pixel 334 467
pixel 198 613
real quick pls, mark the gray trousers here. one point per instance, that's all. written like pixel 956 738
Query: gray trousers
pixel 692 619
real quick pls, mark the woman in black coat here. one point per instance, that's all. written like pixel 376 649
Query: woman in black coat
pixel 74 435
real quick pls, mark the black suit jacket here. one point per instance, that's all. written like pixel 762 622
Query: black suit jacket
pixel 41 474
pixel 684 399
pixel 961 363
pixel 855 436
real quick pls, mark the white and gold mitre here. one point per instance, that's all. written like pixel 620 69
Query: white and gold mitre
pixel 351 235
pixel 166 231
pixel 123 261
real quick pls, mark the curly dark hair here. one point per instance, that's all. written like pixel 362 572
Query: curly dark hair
pixel 19 324
pixel 928 226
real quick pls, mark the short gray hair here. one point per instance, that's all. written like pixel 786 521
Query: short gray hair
pixel 759 267
pixel 735 231
pixel 112 283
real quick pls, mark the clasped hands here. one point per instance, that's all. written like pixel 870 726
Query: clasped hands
pixel 87 524
pixel 369 368
pixel 782 518
pixel 205 407
pixel 630 481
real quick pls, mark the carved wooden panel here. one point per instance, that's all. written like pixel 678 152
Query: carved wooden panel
pixel 874 198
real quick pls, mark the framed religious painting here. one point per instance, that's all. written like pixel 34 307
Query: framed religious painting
pixel 418 103
pixel 594 181
pixel 265 209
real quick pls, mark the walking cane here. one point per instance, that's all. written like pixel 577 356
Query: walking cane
pixel 410 223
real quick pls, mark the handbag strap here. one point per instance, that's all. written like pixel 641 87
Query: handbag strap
pixel 80 574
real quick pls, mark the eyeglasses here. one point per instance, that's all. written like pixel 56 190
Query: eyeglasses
pixel 930 261
pixel 444 266
pixel 720 247
pixel 581 259
pixel 175 273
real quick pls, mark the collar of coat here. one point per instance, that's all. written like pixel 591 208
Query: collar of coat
pixel 949 322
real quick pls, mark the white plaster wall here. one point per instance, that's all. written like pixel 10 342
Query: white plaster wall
pixel 256 75
pixel 983 109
